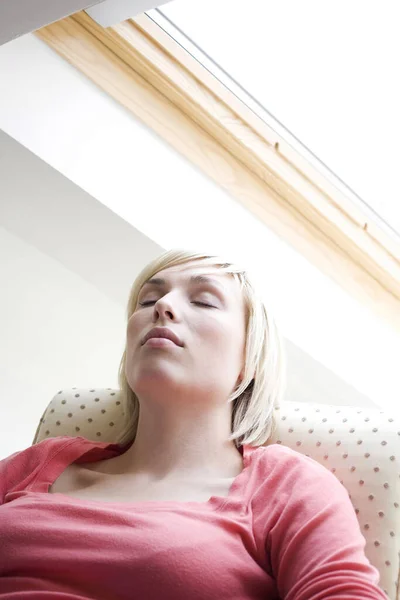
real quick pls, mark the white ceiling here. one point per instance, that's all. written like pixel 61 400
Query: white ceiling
pixel 48 211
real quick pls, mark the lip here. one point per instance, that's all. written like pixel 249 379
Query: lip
pixel 162 332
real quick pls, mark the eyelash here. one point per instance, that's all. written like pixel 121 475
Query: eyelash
pixel 153 302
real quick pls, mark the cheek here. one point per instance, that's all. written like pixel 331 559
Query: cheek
pixel 223 337
pixel 134 331
pixel 213 331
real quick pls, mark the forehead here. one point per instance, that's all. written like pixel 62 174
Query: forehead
pixel 186 274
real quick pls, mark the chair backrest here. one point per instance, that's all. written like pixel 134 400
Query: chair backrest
pixel 360 446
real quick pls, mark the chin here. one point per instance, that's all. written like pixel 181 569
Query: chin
pixel 155 379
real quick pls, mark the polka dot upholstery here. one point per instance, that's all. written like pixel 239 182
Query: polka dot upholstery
pixel 361 447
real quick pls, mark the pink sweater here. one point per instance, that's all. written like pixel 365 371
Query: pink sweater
pixel 287 530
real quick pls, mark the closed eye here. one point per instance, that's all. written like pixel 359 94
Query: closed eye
pixel 149 302
pixel 204 304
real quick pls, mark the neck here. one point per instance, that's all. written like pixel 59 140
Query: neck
pixel 171 443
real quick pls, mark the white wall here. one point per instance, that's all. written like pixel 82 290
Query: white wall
pixel 50 212
pixel 57 330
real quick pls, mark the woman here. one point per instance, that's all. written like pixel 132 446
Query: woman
pixel 193 502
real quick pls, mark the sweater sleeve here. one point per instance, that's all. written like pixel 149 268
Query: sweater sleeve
pixel 311 537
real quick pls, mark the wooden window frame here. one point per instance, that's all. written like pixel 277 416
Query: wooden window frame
pixel 151 75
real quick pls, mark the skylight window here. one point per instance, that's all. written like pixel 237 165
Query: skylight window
pixel 322 74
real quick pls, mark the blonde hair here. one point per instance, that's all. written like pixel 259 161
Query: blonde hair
pixel 264 381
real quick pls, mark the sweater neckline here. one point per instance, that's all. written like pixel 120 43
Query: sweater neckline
pixel 81 450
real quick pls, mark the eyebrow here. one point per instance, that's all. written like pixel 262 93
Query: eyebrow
pixel 194 279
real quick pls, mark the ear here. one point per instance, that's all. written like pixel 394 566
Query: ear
pixel 240 378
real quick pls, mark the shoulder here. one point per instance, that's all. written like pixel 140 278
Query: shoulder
pixel 290 469
pixel 278 454
pixel 19 469
pixel 290 487
pixel 275 455
pixel 37 451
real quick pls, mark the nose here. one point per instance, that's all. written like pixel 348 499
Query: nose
pixel 163 310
